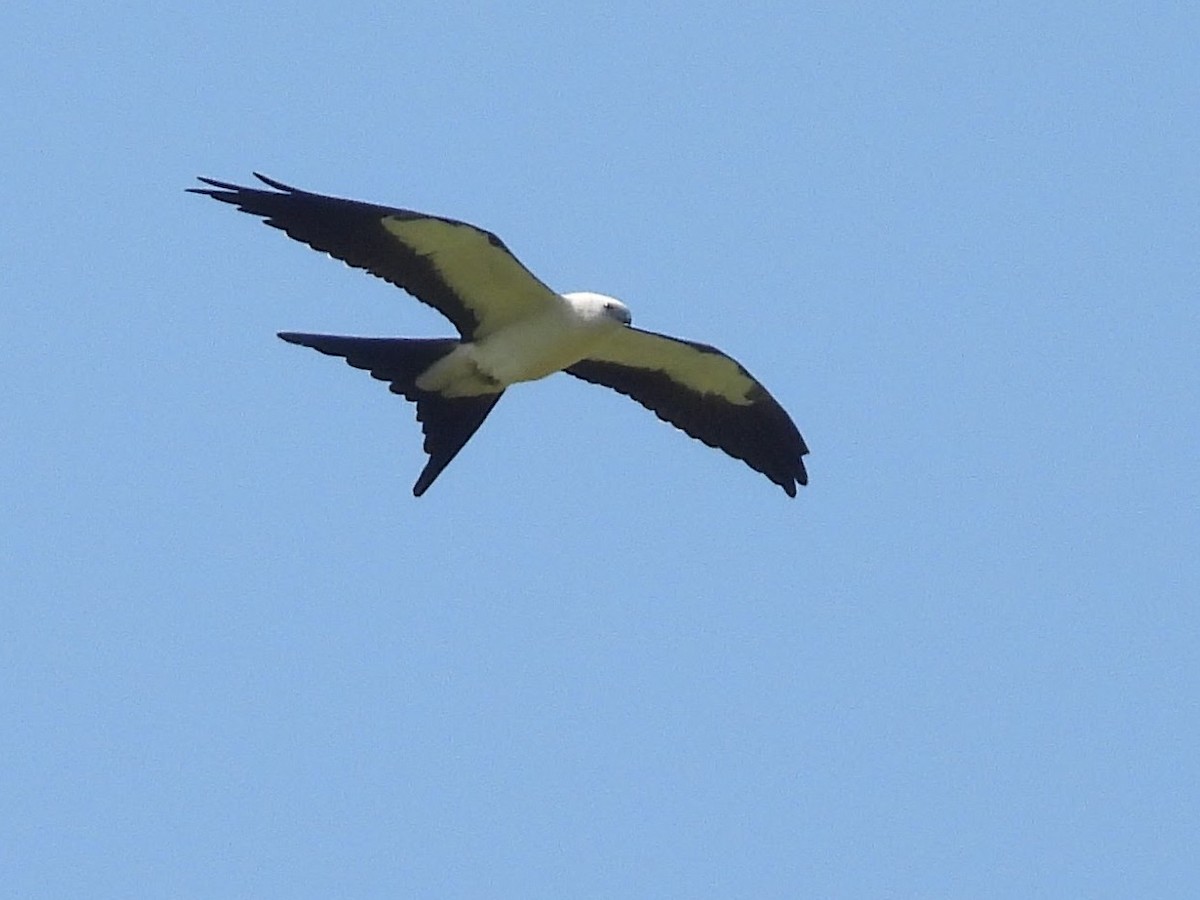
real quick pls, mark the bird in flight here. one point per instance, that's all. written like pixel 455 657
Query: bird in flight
pixel 513 328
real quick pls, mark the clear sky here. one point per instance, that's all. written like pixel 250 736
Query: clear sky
pixel 959 242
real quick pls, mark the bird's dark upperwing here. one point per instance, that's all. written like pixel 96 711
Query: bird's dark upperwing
pixel 464 272
pixel 707 394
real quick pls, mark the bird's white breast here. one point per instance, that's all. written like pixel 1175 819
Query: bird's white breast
pixel 537 346
pixel 526 350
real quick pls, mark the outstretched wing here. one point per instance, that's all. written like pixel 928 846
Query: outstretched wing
pixel 464 272
pixel 447 422
pixel 707 394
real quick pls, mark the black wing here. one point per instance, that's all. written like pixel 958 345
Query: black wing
pixel 465 273
pixel 706 394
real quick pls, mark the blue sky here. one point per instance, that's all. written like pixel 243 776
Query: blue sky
pixel 597 659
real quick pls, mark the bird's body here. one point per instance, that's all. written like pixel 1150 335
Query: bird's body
pixel 513 328
pixel 549 341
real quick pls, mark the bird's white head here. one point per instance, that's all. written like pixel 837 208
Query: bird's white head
pixel 597 307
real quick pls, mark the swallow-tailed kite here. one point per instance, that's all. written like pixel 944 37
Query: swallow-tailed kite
pixel 513 328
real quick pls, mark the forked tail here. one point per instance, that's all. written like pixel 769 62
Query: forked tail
pixel 447 422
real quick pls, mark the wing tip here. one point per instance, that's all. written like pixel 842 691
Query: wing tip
pixel 218 190
pixel 791 483
pixel 232 193
pixel 277 185
pixel 799 476
pixel 212 183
